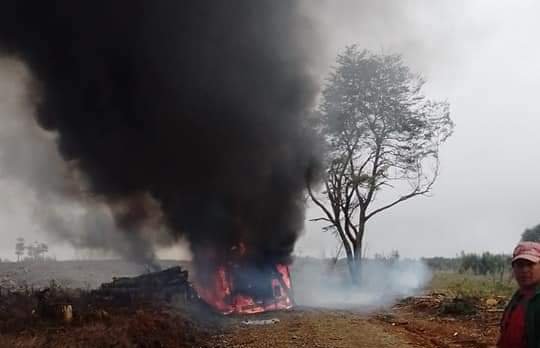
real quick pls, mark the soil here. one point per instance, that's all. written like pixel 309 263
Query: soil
pixel 313 328
pixel 427 330
pixel 301 327
pixel 403 326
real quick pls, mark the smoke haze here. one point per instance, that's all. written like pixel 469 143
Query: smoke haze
pixel 172 119
pixel 34 175
pixel 320 283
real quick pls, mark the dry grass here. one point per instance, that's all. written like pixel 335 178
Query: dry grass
pixel 468 285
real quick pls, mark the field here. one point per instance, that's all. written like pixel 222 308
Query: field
pixel 467 285
pixel 454 310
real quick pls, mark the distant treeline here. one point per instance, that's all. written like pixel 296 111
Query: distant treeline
pixel 479 264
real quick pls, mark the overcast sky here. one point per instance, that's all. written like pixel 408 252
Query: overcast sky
pixel 482 57
pixel 479 55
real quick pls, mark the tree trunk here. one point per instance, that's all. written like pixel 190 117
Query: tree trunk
pixel 357 253
pixel 353 269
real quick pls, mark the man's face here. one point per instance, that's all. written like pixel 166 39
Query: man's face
pixel 527 273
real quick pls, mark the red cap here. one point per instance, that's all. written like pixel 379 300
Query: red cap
pixel 527 251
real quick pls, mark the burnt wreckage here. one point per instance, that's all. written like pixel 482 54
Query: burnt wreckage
pixel 234 289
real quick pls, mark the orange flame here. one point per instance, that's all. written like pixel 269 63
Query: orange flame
pixel 221 295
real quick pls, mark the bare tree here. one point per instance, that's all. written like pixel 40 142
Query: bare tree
pixel 37 251
pixel 19 248
pixel 381 133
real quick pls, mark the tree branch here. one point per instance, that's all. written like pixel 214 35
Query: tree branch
pixel 399 200
pixel 416 192
pixel 334 219
pixel 320 219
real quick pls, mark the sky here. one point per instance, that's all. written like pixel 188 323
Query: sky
pixel 478 55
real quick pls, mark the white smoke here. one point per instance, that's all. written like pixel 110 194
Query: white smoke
pixel 321 283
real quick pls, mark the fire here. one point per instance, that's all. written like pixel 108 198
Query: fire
pixel 243 289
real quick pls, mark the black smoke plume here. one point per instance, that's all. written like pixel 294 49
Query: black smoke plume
pixel 183 114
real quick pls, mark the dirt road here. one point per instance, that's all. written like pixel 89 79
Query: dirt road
pixel 344 329
pixel 311 328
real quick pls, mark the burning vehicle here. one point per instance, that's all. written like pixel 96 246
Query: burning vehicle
pixel 248 289
pixel 237 283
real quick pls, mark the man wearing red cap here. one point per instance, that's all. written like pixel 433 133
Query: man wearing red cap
pixel 520 326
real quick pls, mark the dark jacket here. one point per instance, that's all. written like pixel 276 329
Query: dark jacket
pixel 532 317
